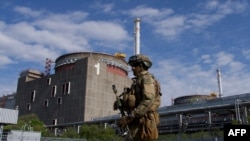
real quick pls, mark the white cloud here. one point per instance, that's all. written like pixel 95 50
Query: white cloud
pixel 206 58
pixel 223 59
pixel 179 78
pixel 106 8
pixel 4 60
pixel 211 4
pixel 170 25
pixel 27 11
pixel 103 31
pixel 230 7
pixel 19 51
pixel 50 34
pixel 246 54
pixel 148 13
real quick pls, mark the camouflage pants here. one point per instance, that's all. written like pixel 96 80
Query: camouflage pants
pixel 146 130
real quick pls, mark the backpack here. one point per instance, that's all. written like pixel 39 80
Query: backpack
pixel 157 86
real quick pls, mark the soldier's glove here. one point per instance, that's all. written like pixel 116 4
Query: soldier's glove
pixel 123 121
pixel 115 105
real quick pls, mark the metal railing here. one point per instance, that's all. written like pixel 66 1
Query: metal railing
pixel 177 137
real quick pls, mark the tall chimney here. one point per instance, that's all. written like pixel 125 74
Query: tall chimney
pixel 137 35
pixel 219 82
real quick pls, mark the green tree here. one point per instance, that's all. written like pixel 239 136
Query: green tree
pixel 29 122
pixel 93 132
pixel 70 133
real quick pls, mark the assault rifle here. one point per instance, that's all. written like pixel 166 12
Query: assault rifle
pixel 118 101
pixel 121 109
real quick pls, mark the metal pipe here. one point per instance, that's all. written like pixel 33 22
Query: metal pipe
pixel 209 118
pixel 180 120
pixel 245 115
pixel 237 110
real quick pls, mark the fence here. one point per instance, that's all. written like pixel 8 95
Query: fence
pixel 60 139
pixel 5 137
pixel 161 138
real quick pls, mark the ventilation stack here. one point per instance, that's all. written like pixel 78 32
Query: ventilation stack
pixel 137 35
pixel 219 83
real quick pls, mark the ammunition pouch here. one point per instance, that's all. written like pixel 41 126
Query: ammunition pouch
pixel 129 101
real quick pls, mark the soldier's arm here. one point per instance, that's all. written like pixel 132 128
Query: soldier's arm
pixel 148 91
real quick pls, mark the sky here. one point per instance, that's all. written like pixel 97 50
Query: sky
pixel 187 41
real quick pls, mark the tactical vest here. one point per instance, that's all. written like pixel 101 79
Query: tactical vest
pixel 133 98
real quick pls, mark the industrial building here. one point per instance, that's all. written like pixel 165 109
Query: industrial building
pixel 195 113
pixel 8 101
pixel 79 90
pixel 202 114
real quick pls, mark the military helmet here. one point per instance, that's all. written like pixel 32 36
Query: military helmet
pixel 140 58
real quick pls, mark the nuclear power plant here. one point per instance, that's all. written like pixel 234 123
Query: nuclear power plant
pixel 80 92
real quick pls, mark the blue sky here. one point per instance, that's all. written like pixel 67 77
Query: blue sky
pixel 186 40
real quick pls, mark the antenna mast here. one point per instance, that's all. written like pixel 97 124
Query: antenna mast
pixel 48 66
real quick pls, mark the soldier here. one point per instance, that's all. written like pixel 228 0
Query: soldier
pixel 142 102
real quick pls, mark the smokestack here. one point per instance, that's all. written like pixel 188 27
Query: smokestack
pixel 137 35
pixel 219 83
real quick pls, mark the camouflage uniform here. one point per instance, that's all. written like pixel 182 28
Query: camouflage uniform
pixel 142 102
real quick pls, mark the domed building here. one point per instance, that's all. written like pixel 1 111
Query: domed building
pixel 193 98
pixel 80 89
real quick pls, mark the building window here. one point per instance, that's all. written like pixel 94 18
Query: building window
pixel 59 100
pixel 53 91
pixel 33 96
pixel 66 88
pixel 48 81
pixel 28 107
pixel 46 103
pixel 55 121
